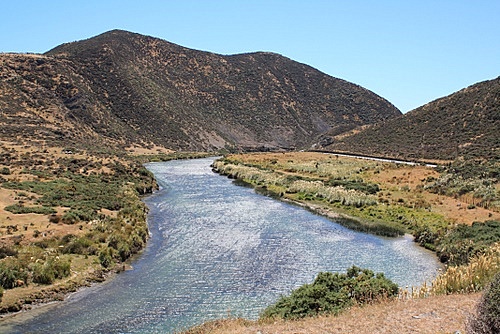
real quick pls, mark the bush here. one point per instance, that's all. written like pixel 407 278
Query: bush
pixel 463 242
pixel 486 320
pixel 42 273
pixel 81 246
pixel 123 251
pixel 105 258
pixel 49 271
pixel 11 273
pixel 7 251
pixel 55 218
pixel 332 293
pixel 19 209
pixel 74 216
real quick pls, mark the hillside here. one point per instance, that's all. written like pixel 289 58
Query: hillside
pixel 465 124
pixel 125 89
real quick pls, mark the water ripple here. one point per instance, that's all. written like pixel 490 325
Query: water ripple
pixel 219 248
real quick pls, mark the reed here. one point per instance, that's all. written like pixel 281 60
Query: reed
pixel 337 194
pixel 469 278
pixel 307 188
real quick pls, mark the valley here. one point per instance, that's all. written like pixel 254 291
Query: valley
pixel 78 123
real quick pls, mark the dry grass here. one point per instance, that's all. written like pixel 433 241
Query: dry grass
pixel 472 277
pixel 437 314
pixel 26 224
pixel 19 231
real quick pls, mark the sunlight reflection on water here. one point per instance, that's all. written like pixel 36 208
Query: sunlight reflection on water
pixel 219 248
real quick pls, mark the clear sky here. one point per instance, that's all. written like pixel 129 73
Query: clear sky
pixel 408 51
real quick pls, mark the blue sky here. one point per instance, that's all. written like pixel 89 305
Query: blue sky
pixel 410 52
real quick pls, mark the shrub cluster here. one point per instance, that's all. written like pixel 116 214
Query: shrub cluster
pixel 22 270
pixel 486 319
pixel 332 293
pixel 17 209
pixel 463 242
pixel 85 195
pixel 470 277
pixel 110 240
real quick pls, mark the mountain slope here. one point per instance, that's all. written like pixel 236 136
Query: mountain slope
pixel 465 123
pixel 126 88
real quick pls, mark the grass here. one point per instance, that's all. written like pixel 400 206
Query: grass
pixel 337 184
pixel 380 198
pixel 470 277
pixel 383 198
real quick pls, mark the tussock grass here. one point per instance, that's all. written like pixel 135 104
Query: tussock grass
pixel 469 278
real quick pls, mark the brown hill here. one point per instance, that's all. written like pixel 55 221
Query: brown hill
pixel 466 123
pixel 123 88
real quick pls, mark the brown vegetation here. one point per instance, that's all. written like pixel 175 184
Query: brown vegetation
pixel 438 314
pixel 463 124
pixel 121 89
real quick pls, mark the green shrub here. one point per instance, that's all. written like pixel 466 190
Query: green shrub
pixel 42 273
pixel 136 243
pixel 19 209
pixel 463 242
pixel 50 270
pixel 5 171
pixel 332 293
pixel 10 273
pixel 81 245
pixel 486 320
pixel 62 268
pixel 123 251
pixel 74 216
pixel 105 258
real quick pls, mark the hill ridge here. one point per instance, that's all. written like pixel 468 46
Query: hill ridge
pixel 129 89
pixel 462 124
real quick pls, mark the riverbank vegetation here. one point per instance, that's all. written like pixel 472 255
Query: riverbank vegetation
pixel 451 209
pixel 435 205
pixel 332 293
pixel 68 218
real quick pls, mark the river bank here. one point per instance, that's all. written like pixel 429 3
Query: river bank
pixel 379 197
pixel 67 222
pixel 240 240
pixel 216 246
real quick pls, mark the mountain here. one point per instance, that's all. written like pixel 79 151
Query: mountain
pixel 122 89
pixel 463 124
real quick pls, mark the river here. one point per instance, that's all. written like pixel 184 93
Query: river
pixel 218 249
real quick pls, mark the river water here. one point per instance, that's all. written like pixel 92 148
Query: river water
pixel 218 249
